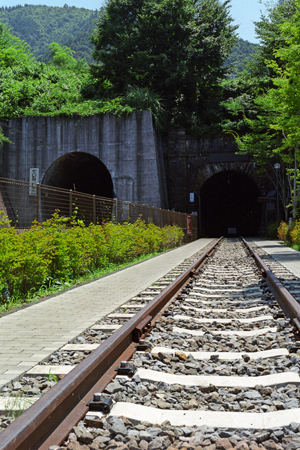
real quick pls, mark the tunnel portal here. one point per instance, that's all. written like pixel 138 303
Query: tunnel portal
pixel 229 202
pixel 82 172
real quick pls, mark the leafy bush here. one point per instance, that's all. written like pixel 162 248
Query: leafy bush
pixel 283 231
pixel 295 233
pixel 272 230
pixel 143 98
pixel 59 249
pixel 289 233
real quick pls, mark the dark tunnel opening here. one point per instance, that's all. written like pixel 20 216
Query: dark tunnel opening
pixel 229 205
pixel 82 172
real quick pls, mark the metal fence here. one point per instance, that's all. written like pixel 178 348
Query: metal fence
pixel 24 202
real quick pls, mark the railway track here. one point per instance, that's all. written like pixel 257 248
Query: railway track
pixel 213 364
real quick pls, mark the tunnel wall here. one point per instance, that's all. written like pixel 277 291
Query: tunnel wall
pixel 128 146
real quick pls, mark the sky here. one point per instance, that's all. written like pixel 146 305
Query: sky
pixel 244 12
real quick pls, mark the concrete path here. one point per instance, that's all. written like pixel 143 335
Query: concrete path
pixel 30 335
pixel 286 256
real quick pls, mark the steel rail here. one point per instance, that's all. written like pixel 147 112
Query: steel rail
pixel 49 420
pixel 287 302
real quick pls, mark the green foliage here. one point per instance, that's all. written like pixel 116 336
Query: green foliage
pixel 173 61
pixel 283 231
pixel 240 56
pixel 62 56
pixel 264 103
pixel 3 138
pixel 175 48
pixel 142 99
pixel 16 404
pixel 295 233
pixel 60 249
pixel 52 377
pixel 129 240
pixel 13 51
pixel 243 91
pixel 272 230
pixel 31 88
pixel 38 89
pixel 40 25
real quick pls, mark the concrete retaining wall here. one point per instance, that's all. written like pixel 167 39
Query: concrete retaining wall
pixel 128 146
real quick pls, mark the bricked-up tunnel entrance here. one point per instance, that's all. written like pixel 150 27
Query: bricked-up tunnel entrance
pixel 229 200
pixel 82 172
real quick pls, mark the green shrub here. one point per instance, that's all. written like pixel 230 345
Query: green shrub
pixel 59 249
pixel 289 232
pixel 283 231
pixel 295 233
pixel 272 230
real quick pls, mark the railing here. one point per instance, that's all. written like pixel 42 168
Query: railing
pixel 24 202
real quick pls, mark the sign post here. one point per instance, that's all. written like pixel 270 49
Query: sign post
pixel 189 226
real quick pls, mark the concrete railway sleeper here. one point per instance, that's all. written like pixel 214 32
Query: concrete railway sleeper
pixel 212 364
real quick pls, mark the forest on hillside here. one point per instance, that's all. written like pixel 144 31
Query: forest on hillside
pixel 69 26
pixel 241 54
pixel 39 26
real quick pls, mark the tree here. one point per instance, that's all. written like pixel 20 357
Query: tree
pixel 176 48
pixel 283 103
pixel 13 51
pixel 62 56
pixel 260 104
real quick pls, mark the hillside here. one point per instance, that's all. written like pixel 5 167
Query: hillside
pixel 38 26
pixel 241 52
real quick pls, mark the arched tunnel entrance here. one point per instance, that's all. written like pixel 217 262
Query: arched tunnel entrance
pixel 229 202
pixel 82 173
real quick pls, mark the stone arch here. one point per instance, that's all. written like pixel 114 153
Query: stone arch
pixel 248 168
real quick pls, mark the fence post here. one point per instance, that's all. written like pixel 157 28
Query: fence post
pixel 37 202
pixel 129 212
pixel 70 203
pixel 94 209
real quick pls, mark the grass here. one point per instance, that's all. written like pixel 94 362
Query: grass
pixel 294 246
pixel 16 405
pixel 64 284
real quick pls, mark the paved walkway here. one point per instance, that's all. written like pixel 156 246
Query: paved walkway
pixel 286 256
pixel 30 335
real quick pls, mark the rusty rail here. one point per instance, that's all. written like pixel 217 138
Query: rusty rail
pixel 48 421
pixel 287 302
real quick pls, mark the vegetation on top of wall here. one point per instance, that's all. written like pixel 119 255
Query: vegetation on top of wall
pixel 32 88
pixel 65 85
